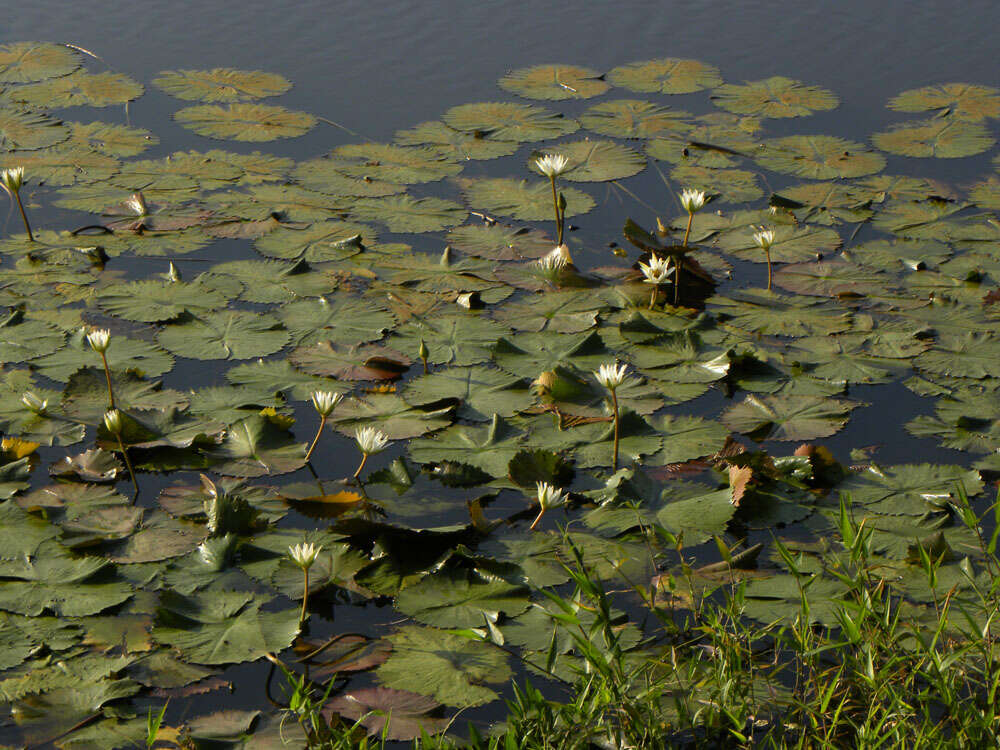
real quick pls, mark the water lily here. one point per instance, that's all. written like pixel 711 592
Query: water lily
pixel 548 497
pixel 11 181
pixel 100 340
pixel 764 238
pixel 324 402
pixel 692 201
pixel 553 165
pixel 611 375
pixel 370 441
pixel 423 352
pixel 34 403
pixel 113 423
pixel 304 555
pixel 657 272
pixel 551 266
pixel 136 203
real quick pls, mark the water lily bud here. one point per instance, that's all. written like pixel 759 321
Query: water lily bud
pixel 693 200
pixel 304 555
pixel 423 352
pixel 34 403
pixel 99 340
pixel 136 203
pixel 173 274
pixel 325 402
pixel 551 165
pixel 371 440
pixel 12 179
pixel 113 421
pixel 611 375
pixel 549 496
pixel 764 238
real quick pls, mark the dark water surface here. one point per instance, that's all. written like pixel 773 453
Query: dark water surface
pixel 376 67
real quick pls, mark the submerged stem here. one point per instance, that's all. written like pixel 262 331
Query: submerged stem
pixel 364 460
pixel 678 265
pixel 128 465
pixel 555 205
pixel 305 596
pixel 614 456
pixel 312 446
pixel 24 217
pixel 107 377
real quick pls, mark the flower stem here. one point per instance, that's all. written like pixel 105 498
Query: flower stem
pixel 614 456
pixel 687 232
pixel 652 297
pixel 24 217
pixel 107 377
pixel 426 370
pixel 768 253
pixel 128 465
pixel 305 595
pixel 312 446
pixel 364 460
pixel 541 512
pixel 555 205
pixel 678 265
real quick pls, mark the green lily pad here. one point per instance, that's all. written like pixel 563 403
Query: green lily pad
pixel 530 354
pixel 29 130
pixel 408 165
pixel 390 414
pixel 733 185
pixel 123 354
pixel 27 62
pixel 62 166
pixel 500 241
pixel 325 176
pixel 505 121
pixel 154 301
pixel 480 391
pixel 554 82
pixel 569 311
pixel 635 118
pixel 23 340
pixel 788 417
pixel 223 627
pixel 271 281
pixel 819 157
pixel 766 312
pixel 119 141
pixel 457 597
pixel 455 144
pixel 774 97
pixel 910 489
pixel 830 278
pixel 960 101
pixel 404 213
pixel 488 448
pixel 595 161
pixel 448 667
pixel 687 438
pixel 968 355
pixel 255 447
pixel 668 75
pixel 317 243
pixel 344 321
pixel 80 89
pixel 944 138
pixel 828 203
pixel 245 122
pixel 229 334
pixel 521 199
pixel 451 339
pixel 221 84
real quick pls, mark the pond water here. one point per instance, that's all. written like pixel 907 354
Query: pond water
pixel 374 68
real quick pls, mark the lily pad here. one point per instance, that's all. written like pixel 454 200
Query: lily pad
pixel 221 84
pixel 635 118
pixel 528 201
pixel 554 82
pixel 819 157
pixel 942 138
pixel 668 75
pixel 404 213
pixel 230 334
pixel 456 144
pixel 505 121
pixel 245 122
pixel 961 101
pixel 29 130
pixel 80 89
pixel 27 62
pixel 774 97
pixel 788 417
pixel 595 161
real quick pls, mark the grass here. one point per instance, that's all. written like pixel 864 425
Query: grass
pixel 886 676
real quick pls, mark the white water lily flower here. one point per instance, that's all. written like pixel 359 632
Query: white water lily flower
pixel 304 555
pixel 693 200
pixel 611 375
pixel 12 179
pixel 113 421
pixel 371 440
pixel 99 340
pixel 764 238
pixel 136 203
pixel 325 402
pixel 549 496
pixel 551 165
pixel 34 403
pixel 658 271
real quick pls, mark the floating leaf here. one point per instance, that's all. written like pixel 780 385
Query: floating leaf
pixel 245 122
pixel 819 157
pixel 230 334
pixel 390 414
pixel 344 321
pixel 29 130
pixel 221 84
pixel 944 138
pixel 554 82
pixel 389 163
pixel 480 391
pixel 444 665
pixel 404 213
pixel 489 448
pixel 79 89
pixel 317 243
pixel 774 97
pixel 505 121
pixel 595 161
pixel 965 355
pixel 62 166
pixel 388 713
pixel 668 75
pixel 911 489
pixel 962 101
pixel 788 417
pixel 123 354
pixel 153 301
pixel 458 597
pixel 354 363
pixel 521 199
pixel 455 143
pixel 830 278
pixel 27 62
pixel 22 340
pixel 500 241
pixel 255 447
pixel 635 118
